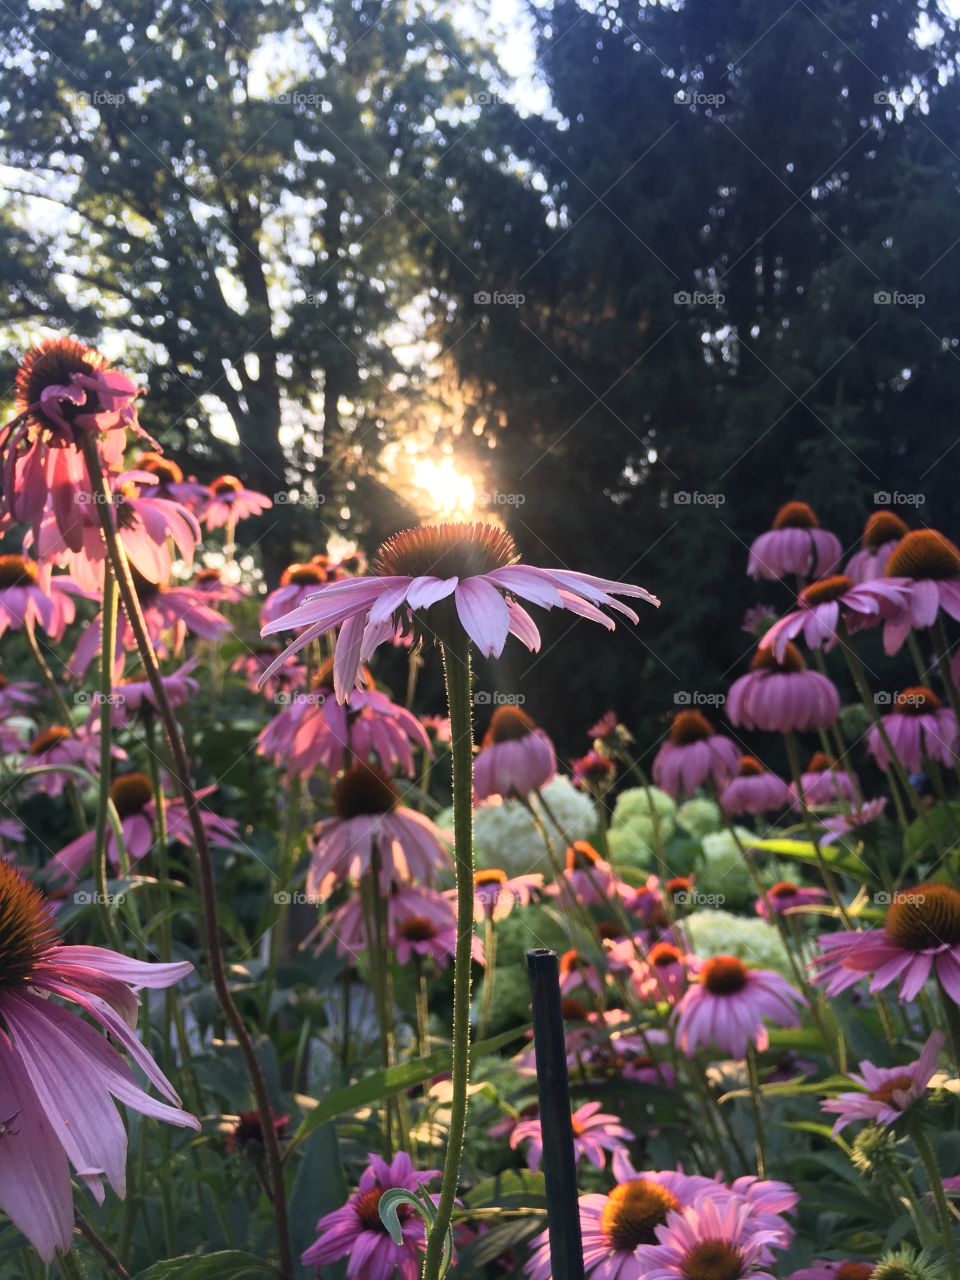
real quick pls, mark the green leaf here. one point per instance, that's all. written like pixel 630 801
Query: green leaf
pixel 512 1184
pixel 804 851
pixel 231 1264
pixel 382 1084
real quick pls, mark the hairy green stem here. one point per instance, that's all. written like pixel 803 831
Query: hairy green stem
pixel 456 669
pixel 108 640
pixel 204 860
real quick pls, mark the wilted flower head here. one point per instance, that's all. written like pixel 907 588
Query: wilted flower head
pixel 794 546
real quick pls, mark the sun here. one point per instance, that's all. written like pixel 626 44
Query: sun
pixel 444 491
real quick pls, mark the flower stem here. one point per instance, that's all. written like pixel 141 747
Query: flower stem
pixel 208 888
pixel 456 669
pixel 930 1167
pixel 108 636
pixel 63 711
pixel 753 1068
pixel 489 973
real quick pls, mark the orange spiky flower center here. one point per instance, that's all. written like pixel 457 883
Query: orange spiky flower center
pixel 916 701
pixel 795 515
pixel 582 856
pixel 924 553
pixel 688 727
pixel 883 527
pixel 886 1091
pixel 52 363
pixel 489 875
pixel 165 469
pixel 664 954
pixel 573 1010
pixel 853 1271
pixel 363 791
pixel 783 889
pixel 225 486
pixel 367 1208
pixel 508 724
pixel 766 660
pixel 131 793
pixel 750 767
pixel 713 1260
pixel 820 762
pixel 825 590
pixel 48 739
pixel 724 975
pixel 633 1211
pixel 925 917
pixel 17 571
pixel 418 929
pixel 27 929
pixel 304 575
pixel 451 550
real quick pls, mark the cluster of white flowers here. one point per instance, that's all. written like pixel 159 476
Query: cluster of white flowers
pixel 506 836
pixel 699 817
pixel 720 933
pixel 640 816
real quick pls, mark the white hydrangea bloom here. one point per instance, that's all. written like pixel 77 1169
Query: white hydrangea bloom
pixel 632 844
pixel 721 933
pixel 699 816
pixel 573 810
pixel 649 803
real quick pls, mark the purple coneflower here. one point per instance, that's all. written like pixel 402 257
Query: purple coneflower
pixel 663 972
pixel 782 696
pixel 714 1237
pixel 29 595
pixel 63 389
pixel 785 896
pixel 171 482
pixel 134 694
pixel 726 1006
pixel 459 577
pixel 368 818
pixel 495 894
pixel 58 1076
pixel 515 758
pixel 692 754
pixel 881 534
pixel 832 1269
pixel 825 782
pixel 886 1093
pixel 595 1134
pixel 133 797
pixel 919 727
pixel 313 730
pixel 926 566
pixel 754 790
pixel 61 745
pixel 845 824
pixel 824 604
pixel 357 1232
pixel 229 502
pixel 613 1226
pixel 297 583
pixel 794 546
pixel 920 937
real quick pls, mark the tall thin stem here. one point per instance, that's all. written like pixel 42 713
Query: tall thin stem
pixel 108 640
pixel 207 880
pixel 456 669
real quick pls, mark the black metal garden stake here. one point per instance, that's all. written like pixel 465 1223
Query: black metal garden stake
pixel 559 1162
